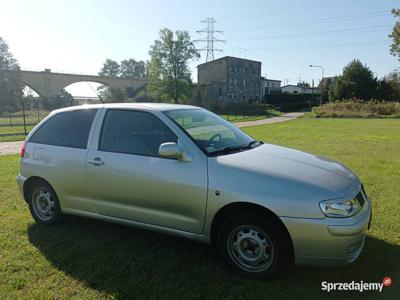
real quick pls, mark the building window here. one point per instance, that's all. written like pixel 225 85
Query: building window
pixel 235 81
pixel 237 68
pixel 230 81
pixel 230 68
pixel 245 69
pixel 236 96
pixel 220 91
pixel 230 96
pixel 244 96
pixel 244 82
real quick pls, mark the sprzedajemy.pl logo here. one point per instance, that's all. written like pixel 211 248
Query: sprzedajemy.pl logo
pixel 359 286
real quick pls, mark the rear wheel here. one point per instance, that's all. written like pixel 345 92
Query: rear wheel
pixel 253 245
pixel 43 203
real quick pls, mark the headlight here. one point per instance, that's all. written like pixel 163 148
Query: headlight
pixel 340 208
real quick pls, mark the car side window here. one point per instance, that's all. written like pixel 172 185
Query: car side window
pixel 66 129
pixel 134 132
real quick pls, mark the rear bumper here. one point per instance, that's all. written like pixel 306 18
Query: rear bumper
pixel 329 241
pixel 20 181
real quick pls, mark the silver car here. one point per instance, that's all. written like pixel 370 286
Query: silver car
pixel 185 171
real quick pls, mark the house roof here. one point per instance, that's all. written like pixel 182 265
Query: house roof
pixel 269 79
pixel 226 58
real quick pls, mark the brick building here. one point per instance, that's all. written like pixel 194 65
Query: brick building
pixel 228 79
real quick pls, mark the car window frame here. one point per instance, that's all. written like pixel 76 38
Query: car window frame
pixel 107 110
pixel 51 116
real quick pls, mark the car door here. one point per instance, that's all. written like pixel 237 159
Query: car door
pixel 56 151
pixel 129 180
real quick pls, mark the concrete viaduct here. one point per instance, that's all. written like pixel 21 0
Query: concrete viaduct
pixel 48 84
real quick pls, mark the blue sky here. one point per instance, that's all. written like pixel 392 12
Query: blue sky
pixel 287 36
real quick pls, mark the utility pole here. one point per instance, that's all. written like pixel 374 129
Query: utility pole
pixel 312 92
pixel 321 67
pixel 210 39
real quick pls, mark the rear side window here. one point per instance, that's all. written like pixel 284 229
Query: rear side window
pixel 66 129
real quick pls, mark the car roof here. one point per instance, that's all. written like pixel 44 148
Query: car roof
pixel 146 106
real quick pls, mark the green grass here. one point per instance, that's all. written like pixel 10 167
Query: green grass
pixel 89 259
pixel 12 138
pixel 13 129
pixel 16 118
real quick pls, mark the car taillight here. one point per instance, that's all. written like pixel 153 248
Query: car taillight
pixel 23 150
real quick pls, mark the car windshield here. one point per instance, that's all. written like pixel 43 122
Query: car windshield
pixel 211 133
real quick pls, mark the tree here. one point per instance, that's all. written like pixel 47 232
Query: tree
pixel 169 74
pixel 110 68
pixel 61 99
pixel 395 35
pixel 156 85
pixel 388 88
pixel 131 68
pixel 357 81
pixel 112 95
pixel 303 84
pixel 11 87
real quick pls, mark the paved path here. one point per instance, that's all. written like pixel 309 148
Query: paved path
pixel 15 147
pixel 283 118
pixel 10 147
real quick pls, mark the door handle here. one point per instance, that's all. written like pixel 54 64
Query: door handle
pixel 96 161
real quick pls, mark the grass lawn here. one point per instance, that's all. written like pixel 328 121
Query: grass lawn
pixel 31 116
pixel 13 129
pixel 89 259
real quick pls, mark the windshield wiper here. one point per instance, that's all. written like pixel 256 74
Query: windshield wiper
pixel 237 148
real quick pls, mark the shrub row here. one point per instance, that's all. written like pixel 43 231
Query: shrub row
pixel 358 108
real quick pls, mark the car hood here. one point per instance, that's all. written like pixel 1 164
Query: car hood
pixel 287 176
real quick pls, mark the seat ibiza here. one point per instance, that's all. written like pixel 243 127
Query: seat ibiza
pixel 185 171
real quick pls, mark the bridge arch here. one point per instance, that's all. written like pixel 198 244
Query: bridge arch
pixel 38 92
pixel 48 84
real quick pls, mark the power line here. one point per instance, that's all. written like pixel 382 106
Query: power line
pixel 280 68
pixel 300 6
pixel 314 21
pixel 333 45
pixel 308 34
pixel 210 39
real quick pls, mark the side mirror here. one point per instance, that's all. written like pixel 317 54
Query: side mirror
pixel 170 150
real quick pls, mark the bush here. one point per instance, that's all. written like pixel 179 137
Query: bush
pixel 358 108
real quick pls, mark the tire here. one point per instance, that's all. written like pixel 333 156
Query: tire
pixel 43 203
pixel 253 245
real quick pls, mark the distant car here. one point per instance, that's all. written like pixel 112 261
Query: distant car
pixel 185 171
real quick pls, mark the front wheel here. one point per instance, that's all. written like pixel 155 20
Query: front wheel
pixel 253 245
pixel 43 203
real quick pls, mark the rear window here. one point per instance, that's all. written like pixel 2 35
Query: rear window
pixel 66 129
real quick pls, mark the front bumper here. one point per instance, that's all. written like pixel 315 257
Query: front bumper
pixel 329 241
